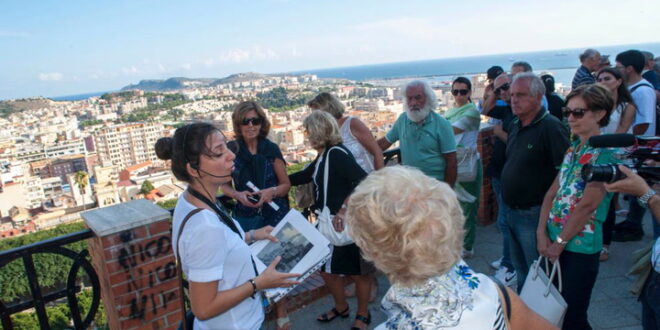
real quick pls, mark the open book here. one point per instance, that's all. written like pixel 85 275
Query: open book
pixel 303 250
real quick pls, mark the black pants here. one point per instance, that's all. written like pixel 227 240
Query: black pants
pixel 578 273
pixel 608 225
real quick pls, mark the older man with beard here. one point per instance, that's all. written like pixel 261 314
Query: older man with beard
pixel 426 139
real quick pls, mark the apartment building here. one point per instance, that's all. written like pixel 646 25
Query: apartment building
pixel 128 144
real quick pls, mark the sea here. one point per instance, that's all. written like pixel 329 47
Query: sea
pixel 562 63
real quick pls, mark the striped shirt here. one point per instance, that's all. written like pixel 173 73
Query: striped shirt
pixel 582 77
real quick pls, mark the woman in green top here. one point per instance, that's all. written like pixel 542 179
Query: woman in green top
pixel 573 211
pixel 465 119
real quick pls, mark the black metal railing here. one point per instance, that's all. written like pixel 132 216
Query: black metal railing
pixel 392 156
pixel 38 299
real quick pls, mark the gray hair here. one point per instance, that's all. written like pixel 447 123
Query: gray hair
pixel 431 99
pixel 590 52
pixel 536 85
pixel 526 66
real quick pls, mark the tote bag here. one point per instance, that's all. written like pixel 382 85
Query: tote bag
pixel 541 295
pixel 324 224
pixel 467 164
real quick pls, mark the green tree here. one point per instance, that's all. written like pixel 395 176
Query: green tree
pixel 81 179
pixel 146 187
pixel 168 204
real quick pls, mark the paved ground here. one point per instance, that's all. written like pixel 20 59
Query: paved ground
pixel 612 307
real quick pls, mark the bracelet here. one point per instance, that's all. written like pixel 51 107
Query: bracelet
pixel 254 287
pixel 644 199
pixel 274 192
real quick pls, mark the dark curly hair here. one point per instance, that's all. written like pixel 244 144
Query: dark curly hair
pixel 187 145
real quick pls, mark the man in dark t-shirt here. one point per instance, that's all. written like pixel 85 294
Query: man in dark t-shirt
pixel 506 273
pixel 535 149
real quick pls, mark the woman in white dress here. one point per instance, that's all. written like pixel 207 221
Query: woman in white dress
pixel 355 134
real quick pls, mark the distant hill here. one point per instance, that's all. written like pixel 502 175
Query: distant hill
pixel 239 77
pixel 175 83
pixel 18 105
pixel 170 84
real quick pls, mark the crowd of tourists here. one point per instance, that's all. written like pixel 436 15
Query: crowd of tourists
pixel 416 223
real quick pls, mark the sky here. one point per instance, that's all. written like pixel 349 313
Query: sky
pixel 56 48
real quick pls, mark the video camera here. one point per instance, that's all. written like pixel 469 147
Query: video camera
pixel 642 148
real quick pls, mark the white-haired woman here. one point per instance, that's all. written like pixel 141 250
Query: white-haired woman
pixel 411 227
pixel 344 174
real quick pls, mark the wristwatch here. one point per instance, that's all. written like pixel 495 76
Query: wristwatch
pixel 561 241
pixel 644 199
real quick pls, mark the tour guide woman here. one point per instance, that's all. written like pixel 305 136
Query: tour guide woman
pixel 344 174
pixel 465 120
pixel 573 211
pixel 213 248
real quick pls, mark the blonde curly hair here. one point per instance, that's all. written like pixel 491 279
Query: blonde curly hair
pixel 408 224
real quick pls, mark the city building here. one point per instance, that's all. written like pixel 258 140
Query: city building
pixel 128 144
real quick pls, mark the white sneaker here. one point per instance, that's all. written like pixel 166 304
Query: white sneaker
pixel 496 264
pixel 467 254
pixel 507 278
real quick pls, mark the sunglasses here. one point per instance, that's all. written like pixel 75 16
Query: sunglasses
pixel 460 91
pixel 254 121
pixel 504 87
pixel 577 113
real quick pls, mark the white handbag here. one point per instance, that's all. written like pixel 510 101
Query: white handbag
pixel 324 224
pixel 540 294
pixel 467 164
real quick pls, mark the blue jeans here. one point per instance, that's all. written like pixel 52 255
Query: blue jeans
pixel 522 224
pixel 650 299
pixel 502 223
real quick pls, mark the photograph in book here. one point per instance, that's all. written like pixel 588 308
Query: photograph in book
pixel 291 246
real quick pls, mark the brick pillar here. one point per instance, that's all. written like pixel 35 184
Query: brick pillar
pixel 487 213
pixel 132 254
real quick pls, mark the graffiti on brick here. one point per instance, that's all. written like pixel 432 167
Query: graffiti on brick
pixel 132 256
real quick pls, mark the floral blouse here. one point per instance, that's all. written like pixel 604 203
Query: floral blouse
pixel 571 192
pixel 458 299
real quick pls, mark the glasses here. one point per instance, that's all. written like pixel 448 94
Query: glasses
pixel 504 87
pixel 577 113
pixel 460 91
pixel 255 121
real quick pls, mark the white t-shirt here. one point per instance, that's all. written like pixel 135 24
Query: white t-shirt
pixel 644 98
pixel 615 119
pixel 211 251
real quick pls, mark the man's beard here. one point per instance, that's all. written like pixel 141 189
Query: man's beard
pixel 418 114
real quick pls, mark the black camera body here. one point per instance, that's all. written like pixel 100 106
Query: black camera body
pixel 642 149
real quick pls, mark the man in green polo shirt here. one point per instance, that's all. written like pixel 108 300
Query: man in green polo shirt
pixel 426 139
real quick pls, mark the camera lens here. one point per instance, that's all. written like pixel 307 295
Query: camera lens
pixel 601 173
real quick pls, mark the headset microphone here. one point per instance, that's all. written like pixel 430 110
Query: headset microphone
pixel 213 175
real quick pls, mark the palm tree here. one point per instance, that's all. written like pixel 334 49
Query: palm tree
pixel 81 180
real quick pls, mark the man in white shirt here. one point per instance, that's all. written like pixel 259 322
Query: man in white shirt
pixel 631 63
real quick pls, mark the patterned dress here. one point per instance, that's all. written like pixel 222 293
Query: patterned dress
pixel 458 299
pixel 571 192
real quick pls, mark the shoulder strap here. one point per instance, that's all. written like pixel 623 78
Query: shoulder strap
pixel 178 267
pixel 505 293
pixel 640 85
